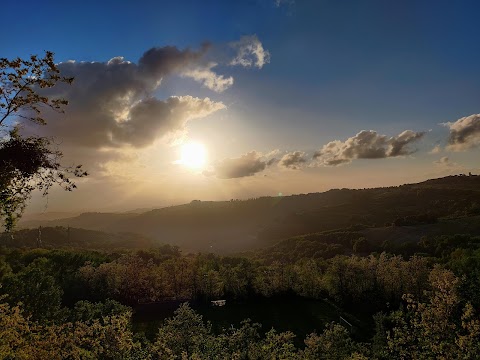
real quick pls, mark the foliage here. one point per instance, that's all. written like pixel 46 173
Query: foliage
pixel 334 343
pixel 28 162
pixel 37 291
pixel 440 328
pixel 21 338
pixel 20 80
pixel 426 313
pixel 185 333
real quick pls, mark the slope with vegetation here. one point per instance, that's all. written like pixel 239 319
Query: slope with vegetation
pixel 233 226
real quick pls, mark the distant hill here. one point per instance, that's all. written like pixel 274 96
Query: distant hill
pixel 62 237
pixel 241 225
pixel 47 216
pixel 88 220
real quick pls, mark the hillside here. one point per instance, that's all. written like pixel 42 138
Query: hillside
pixel 67 237
pixel 404 240
pixel 232 226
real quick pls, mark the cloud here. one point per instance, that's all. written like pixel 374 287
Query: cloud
pixel 249 52
pixel 294 160
pixel 447 166
pixel 246 165
pixel 464 133
pixel 113 110
pixel 111 104
pixel 279 3
pixel 209 78
pixel 367 144
pixel 151 118
pixel 160 61
pixel 437 149
pixel 444 161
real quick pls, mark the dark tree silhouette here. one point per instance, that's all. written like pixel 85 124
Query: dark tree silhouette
pixel 28 162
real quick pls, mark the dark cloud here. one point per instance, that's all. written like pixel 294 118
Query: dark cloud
pixel 367 145
pixel 161 61
pixel 294 160
pixel 464 133
pixel 246 165
pixel 398 145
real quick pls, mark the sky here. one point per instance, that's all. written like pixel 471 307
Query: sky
pixel 213 100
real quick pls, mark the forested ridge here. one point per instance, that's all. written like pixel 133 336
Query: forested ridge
pixel 226 227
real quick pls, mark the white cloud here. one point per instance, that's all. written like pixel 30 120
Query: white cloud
pixel 250 52
pixel 209 78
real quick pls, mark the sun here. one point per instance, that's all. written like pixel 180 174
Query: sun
pixel 193 155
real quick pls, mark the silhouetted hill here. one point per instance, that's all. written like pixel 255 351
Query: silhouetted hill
pixel 63 237
pixel 88 220
pixel 466 182
pixel 47 216
pixel 240 225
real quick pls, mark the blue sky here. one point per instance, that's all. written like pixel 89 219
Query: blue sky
pixel 336 68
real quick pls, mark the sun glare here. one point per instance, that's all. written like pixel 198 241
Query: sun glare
pixel 193 155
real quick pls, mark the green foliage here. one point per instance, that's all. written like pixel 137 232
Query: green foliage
pixel 333 344
pixel 278 346
pixel 5 268
pixel 37 291
pixel 185 333
pixel 86 311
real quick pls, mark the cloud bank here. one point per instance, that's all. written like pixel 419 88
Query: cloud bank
pixel 367 144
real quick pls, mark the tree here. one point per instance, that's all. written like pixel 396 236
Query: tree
pixel 36 289
pixel 334 343
pixel 440 328
pixel 185 333
pixel 28 162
